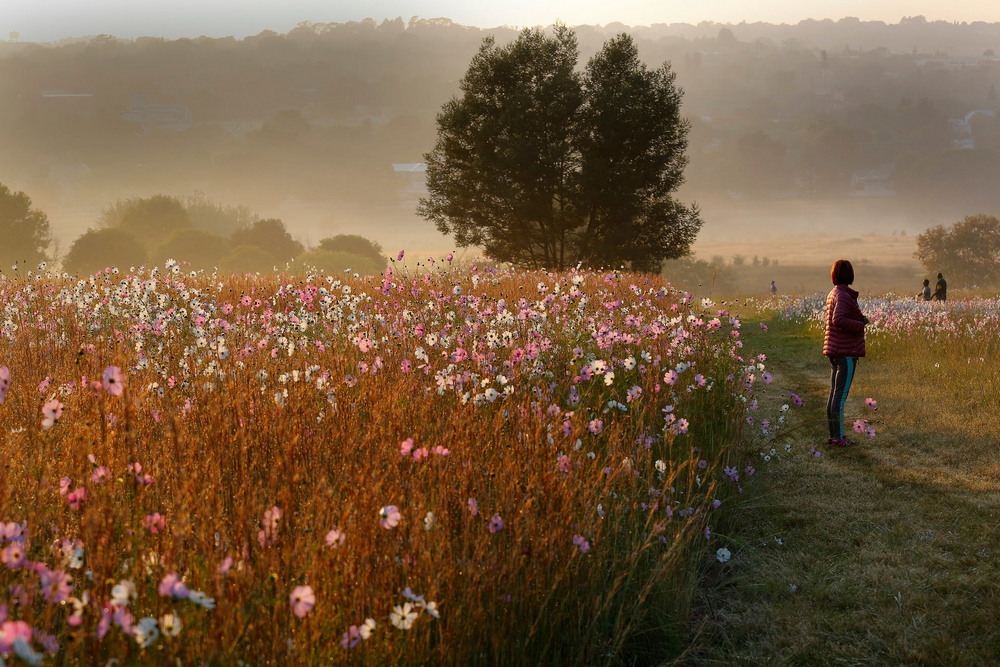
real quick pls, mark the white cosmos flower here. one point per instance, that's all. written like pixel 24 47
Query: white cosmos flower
pixel 171 624
pixel 403 616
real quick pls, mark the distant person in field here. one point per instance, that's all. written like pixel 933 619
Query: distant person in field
pixel 941 289
pixel 925 293
pixel 774 289
pixel 844 344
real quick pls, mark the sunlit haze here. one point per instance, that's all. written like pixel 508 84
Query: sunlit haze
pixel 52 20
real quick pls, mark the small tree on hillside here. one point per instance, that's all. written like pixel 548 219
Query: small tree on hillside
pixel 355 245
pixel 967 252
pixel 101 248
pixel 270 236
pixel 149 220
pixel 24 231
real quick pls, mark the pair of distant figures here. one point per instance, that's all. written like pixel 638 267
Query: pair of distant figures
pixel 940 292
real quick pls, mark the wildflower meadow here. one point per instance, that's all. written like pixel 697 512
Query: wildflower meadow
pixel 462 465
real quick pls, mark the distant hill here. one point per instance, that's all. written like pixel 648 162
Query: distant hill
pixel 820 109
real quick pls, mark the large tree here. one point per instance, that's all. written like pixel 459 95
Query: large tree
pixel 967 252
pixel 24 231
pixel 543 166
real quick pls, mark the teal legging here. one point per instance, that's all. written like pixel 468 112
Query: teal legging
pixel 840 385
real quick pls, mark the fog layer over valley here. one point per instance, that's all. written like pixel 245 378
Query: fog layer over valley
pixel 828 137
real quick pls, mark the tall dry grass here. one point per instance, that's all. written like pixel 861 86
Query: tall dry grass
pixel 552 508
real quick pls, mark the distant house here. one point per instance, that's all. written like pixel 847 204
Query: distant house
pixel 873 182
pixel 412 177
pixel 170 117
pixel 961 128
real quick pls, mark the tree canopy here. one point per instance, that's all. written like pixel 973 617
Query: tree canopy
pixel 100 248
pixel 24 230
pixel 543 166
pixel 966 252
pixel 270 236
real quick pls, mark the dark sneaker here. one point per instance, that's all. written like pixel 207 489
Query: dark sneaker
pixel 843 442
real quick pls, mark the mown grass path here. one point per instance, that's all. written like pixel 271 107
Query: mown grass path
pixel 884 554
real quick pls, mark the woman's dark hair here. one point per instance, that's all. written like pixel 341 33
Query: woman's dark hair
pixel 842 272
pixel 926 282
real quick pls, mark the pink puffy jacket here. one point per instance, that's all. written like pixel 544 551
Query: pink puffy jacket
pixel 845 324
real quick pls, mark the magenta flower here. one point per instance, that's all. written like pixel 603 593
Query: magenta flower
pixel 795 399
pixel 302 600
pixel 4 382
pixel 399 257
pixel 496 524
pixel 389 517
pixel 581 542
pixel 112 381
pixel 76 498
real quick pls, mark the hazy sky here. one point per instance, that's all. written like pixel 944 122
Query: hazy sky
pixel 51 20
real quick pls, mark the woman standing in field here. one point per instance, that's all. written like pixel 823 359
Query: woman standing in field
pixel 844 344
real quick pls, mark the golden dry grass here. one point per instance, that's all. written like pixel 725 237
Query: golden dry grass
pixel 244 396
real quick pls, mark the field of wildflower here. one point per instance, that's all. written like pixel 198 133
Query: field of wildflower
pixel 458 465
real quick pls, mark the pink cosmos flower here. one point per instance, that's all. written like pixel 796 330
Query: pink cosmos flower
pixel 10 632
pixel 76 497
pixel 406 447
pixel 496 524
pixel 100 474
pixel 335 538
pixel 268 534
pixel 420 454
pixel 112 381
pixel 795 399
pixel 55 585
pixel 302 600
pixel 13 555
pixel 225 565
pixel 399 257
pixel 595 426
pixel 155 522
pixel 581 542
pixel 441 451
pixel 172 586
pixel 53 411
pixel 4 382
pixel 870 402
pixel 473 507
pixel 389 517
